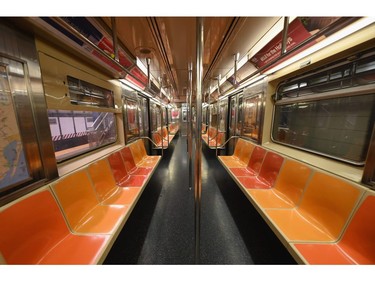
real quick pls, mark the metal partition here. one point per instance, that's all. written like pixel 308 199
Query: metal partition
pixel 28 158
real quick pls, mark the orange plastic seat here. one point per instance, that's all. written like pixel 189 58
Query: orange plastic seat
pixel 33 231
pixel 288 188
pixel 81 207
pixel 323 212
pixel 131 165
pixel 218 140
pixel 236 154
pixel 121 175
pixel 106 188
pixel 267 175
pixel 138 157
pixel 254 164
pixel 211 133
pixel 146 159
pixel 357 246
pixel 243 158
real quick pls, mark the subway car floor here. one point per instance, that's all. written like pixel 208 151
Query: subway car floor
pixel 160 229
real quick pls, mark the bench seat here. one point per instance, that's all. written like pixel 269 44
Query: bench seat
pixel 357 245
pixel 138 176
pixel 319 217
pixel 267 175
pixel 33 231
pixel 288 188
pixel 108 192
pixel 323 212
pixel 82 208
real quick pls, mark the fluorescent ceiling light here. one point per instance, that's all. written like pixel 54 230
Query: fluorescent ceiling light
pixel 133 87
pixel 141 66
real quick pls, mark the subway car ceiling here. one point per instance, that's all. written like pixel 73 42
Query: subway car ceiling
pixel 155 54
pixel 155 57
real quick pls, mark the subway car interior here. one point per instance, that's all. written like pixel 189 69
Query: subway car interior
pixel 187 140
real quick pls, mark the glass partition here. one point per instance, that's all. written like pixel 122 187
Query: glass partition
pixel 252 115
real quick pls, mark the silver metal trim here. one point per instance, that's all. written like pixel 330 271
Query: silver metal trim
pixel 350 91
pixel 369 170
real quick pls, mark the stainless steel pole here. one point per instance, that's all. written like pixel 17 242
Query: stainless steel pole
pixel 198 137
pixel 114 38
pixel 285 35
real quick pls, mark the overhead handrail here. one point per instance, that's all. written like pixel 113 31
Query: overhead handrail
pixel 162 151
pixel 64 24
pixel 224 144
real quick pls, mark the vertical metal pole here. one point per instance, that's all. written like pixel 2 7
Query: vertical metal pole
pixel 114 38
pixel 285 35
pixel 235 58
pixel 190 123
pixel 198 140
pixel 148 60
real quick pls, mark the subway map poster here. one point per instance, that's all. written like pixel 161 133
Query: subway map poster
pixel 13 167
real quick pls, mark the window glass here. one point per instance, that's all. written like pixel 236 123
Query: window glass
pixel 132 126
pixel 213 116
pixel 232 116
pixel 240 116
pixel 339 127
pixel 252 116
pixel 223 116
pixel 84 93
pixel 76 132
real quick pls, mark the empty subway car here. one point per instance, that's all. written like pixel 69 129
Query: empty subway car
pixel 184 140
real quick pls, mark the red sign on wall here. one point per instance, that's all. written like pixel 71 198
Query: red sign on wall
pixel 297 33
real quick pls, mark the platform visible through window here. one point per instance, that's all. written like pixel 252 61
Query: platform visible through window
pixel 76 132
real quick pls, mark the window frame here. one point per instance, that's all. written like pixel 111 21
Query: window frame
pixel 300 89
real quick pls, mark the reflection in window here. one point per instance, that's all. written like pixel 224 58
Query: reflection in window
pixel 252 116
pixel 76 132
pixel 155 117
pixel 143 116
pixel 213 116
pixel 338 127
pixel 84 93
pixel 223 116
pixel 132 127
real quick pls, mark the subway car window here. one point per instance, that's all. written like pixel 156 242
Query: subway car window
pixel 76 132
pixel 252 110
pixel 223 116
pixel 132 125
pixel 84 93
pixel 330 112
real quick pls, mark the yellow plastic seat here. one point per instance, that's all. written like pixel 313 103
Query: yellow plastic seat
pixel 105 186
pixel 323 212
pixel 34 231
pixel 147 160
pixel 243 157
pixel 357 245
pixel 288 188
pixel 82 208
pixel 139 156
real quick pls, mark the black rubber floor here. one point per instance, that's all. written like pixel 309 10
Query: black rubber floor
pixel 160 229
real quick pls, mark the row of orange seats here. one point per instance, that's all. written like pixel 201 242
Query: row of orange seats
pixel 162 138
pixel 76 219
pixel 319 217
pixel 213 138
